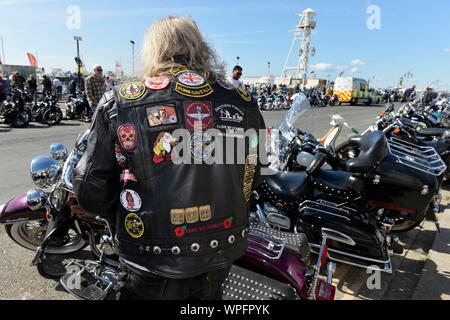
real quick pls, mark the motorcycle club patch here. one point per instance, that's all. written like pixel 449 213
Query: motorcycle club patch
pixel 157 82
pixel 120 157
pixel 249 173
pixel 127 136
pixel 130 200
pixel 134 225
pixel 244 94
pixel 185 230
pixel 190 215
pixel 132 90
pixel 198 115
pixel 229 113
pixel 177 70
pixel 225 84
pixel 162 115
pixel 126 176
pixel 191 84
pixel 162 147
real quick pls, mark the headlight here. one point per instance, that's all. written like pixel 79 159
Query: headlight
pixel 45 171
pixel 36 199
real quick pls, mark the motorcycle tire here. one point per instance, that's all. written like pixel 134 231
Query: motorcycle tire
pixel 19 120
pixel 69 114
pixel 86 117
pixel 404 225
pixel 18 233
pixel 52 116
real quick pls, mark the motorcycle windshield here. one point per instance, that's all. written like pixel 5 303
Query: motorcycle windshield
pixel 299 106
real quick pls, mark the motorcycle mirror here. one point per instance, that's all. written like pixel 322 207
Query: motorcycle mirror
pixel 36 199
pixel 337 236
pixel 58 152
pixel 278 221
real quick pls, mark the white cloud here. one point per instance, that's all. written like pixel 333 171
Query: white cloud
pixel 355 70
pixel 341 68
pixel 322 67
pixel 447 50
pixel 357 62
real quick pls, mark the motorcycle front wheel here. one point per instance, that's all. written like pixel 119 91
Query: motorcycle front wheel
pixel 52 116
pixel 30 234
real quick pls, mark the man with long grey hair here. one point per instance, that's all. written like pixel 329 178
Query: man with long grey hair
pixel 179 225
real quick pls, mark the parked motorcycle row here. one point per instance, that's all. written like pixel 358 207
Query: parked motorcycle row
pixel 320 204
pixel 21 107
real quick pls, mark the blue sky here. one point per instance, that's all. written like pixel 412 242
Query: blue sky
pixel 414 35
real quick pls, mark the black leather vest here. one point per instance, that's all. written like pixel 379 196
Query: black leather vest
pixel 182 220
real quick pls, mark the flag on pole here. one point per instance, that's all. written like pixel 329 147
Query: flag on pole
pixel 32 59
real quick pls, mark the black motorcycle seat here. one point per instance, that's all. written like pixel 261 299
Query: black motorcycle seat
pixel 287 185
pixel 431 132
pixel 338 181
pixel 373 148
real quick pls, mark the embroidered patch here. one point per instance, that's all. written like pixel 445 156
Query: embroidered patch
pixel 126 176
pixel 197 92
pixel 202 146
pixel 231 131
pixel 157 82
pixel 162 115
pixel 120 157
pixel 225 84
pixel 182 231
pixel 177 70
pixel 132 90
pixel 127 136
pixel 190 215
pixel 191 79
pixel 177 216
pixel 229 113
pixel 134 225
pixel 198 115
pixel 130 200
pixel 249 174
pixel 205 213
pixel 163 147
pixel 244 94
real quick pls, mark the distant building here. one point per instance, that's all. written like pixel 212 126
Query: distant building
pixel 25 71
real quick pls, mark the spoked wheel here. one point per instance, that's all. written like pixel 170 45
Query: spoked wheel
pixel 30 234
pixel 86 116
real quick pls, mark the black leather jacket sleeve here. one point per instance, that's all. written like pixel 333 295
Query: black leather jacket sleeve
pixel 96 177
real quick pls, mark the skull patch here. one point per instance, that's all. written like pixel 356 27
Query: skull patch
pixel 127 136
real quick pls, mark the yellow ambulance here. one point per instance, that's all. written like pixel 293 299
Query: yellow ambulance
pixel 353 91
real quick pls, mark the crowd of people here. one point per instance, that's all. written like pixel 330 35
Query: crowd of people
pixel 94 86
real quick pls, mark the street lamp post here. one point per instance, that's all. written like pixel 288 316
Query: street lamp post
pixel 78 39
pixel 132 49
pixel 237 61
pixel 268 67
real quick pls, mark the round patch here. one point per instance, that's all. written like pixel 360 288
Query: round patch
pixel 134 225
pixel 244 94
pixel 191 79
pixel 157 83
pixel 127 136
pixel 132 90
pixel 198 115
pixel 202 146
pixel 130 200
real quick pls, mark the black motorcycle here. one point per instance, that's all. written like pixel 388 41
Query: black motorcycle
pixel 78 107
pixel 359 194
pixel 13 110
pixel 46 111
